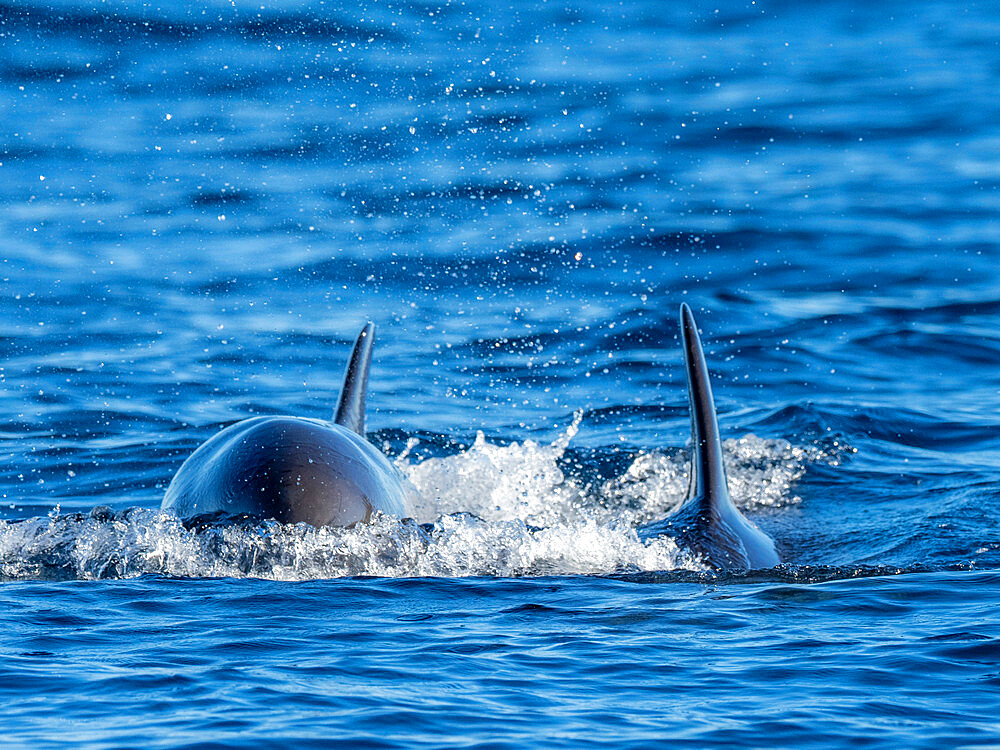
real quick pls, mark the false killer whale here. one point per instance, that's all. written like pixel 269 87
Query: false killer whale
pixel 708 523
pixel 294 469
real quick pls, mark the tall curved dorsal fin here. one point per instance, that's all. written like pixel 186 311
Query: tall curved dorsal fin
pixel 708 523
pixel 708 474
pixel 351 407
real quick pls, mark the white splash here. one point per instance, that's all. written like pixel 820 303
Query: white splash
pixel 140 541
pixel 761 473
pixel 499 482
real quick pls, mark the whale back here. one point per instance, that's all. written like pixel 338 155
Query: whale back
pixel 294 469
pixel 290 469
pixel 350 412
pixel 708 523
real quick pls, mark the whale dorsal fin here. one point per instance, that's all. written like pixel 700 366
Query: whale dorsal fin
pixel 351 407
pixel 708 523
pixel 708 474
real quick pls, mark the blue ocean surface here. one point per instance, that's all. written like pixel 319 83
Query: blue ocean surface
pixel 202 203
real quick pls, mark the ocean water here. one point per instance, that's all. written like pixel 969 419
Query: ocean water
pixel 201 205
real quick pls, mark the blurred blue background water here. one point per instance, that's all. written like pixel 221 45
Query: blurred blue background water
pixel 200 207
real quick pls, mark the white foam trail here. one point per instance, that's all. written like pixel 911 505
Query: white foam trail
pixel 140 542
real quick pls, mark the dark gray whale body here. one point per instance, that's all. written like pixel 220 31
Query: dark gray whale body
pixel 293 469
pixel 708 523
